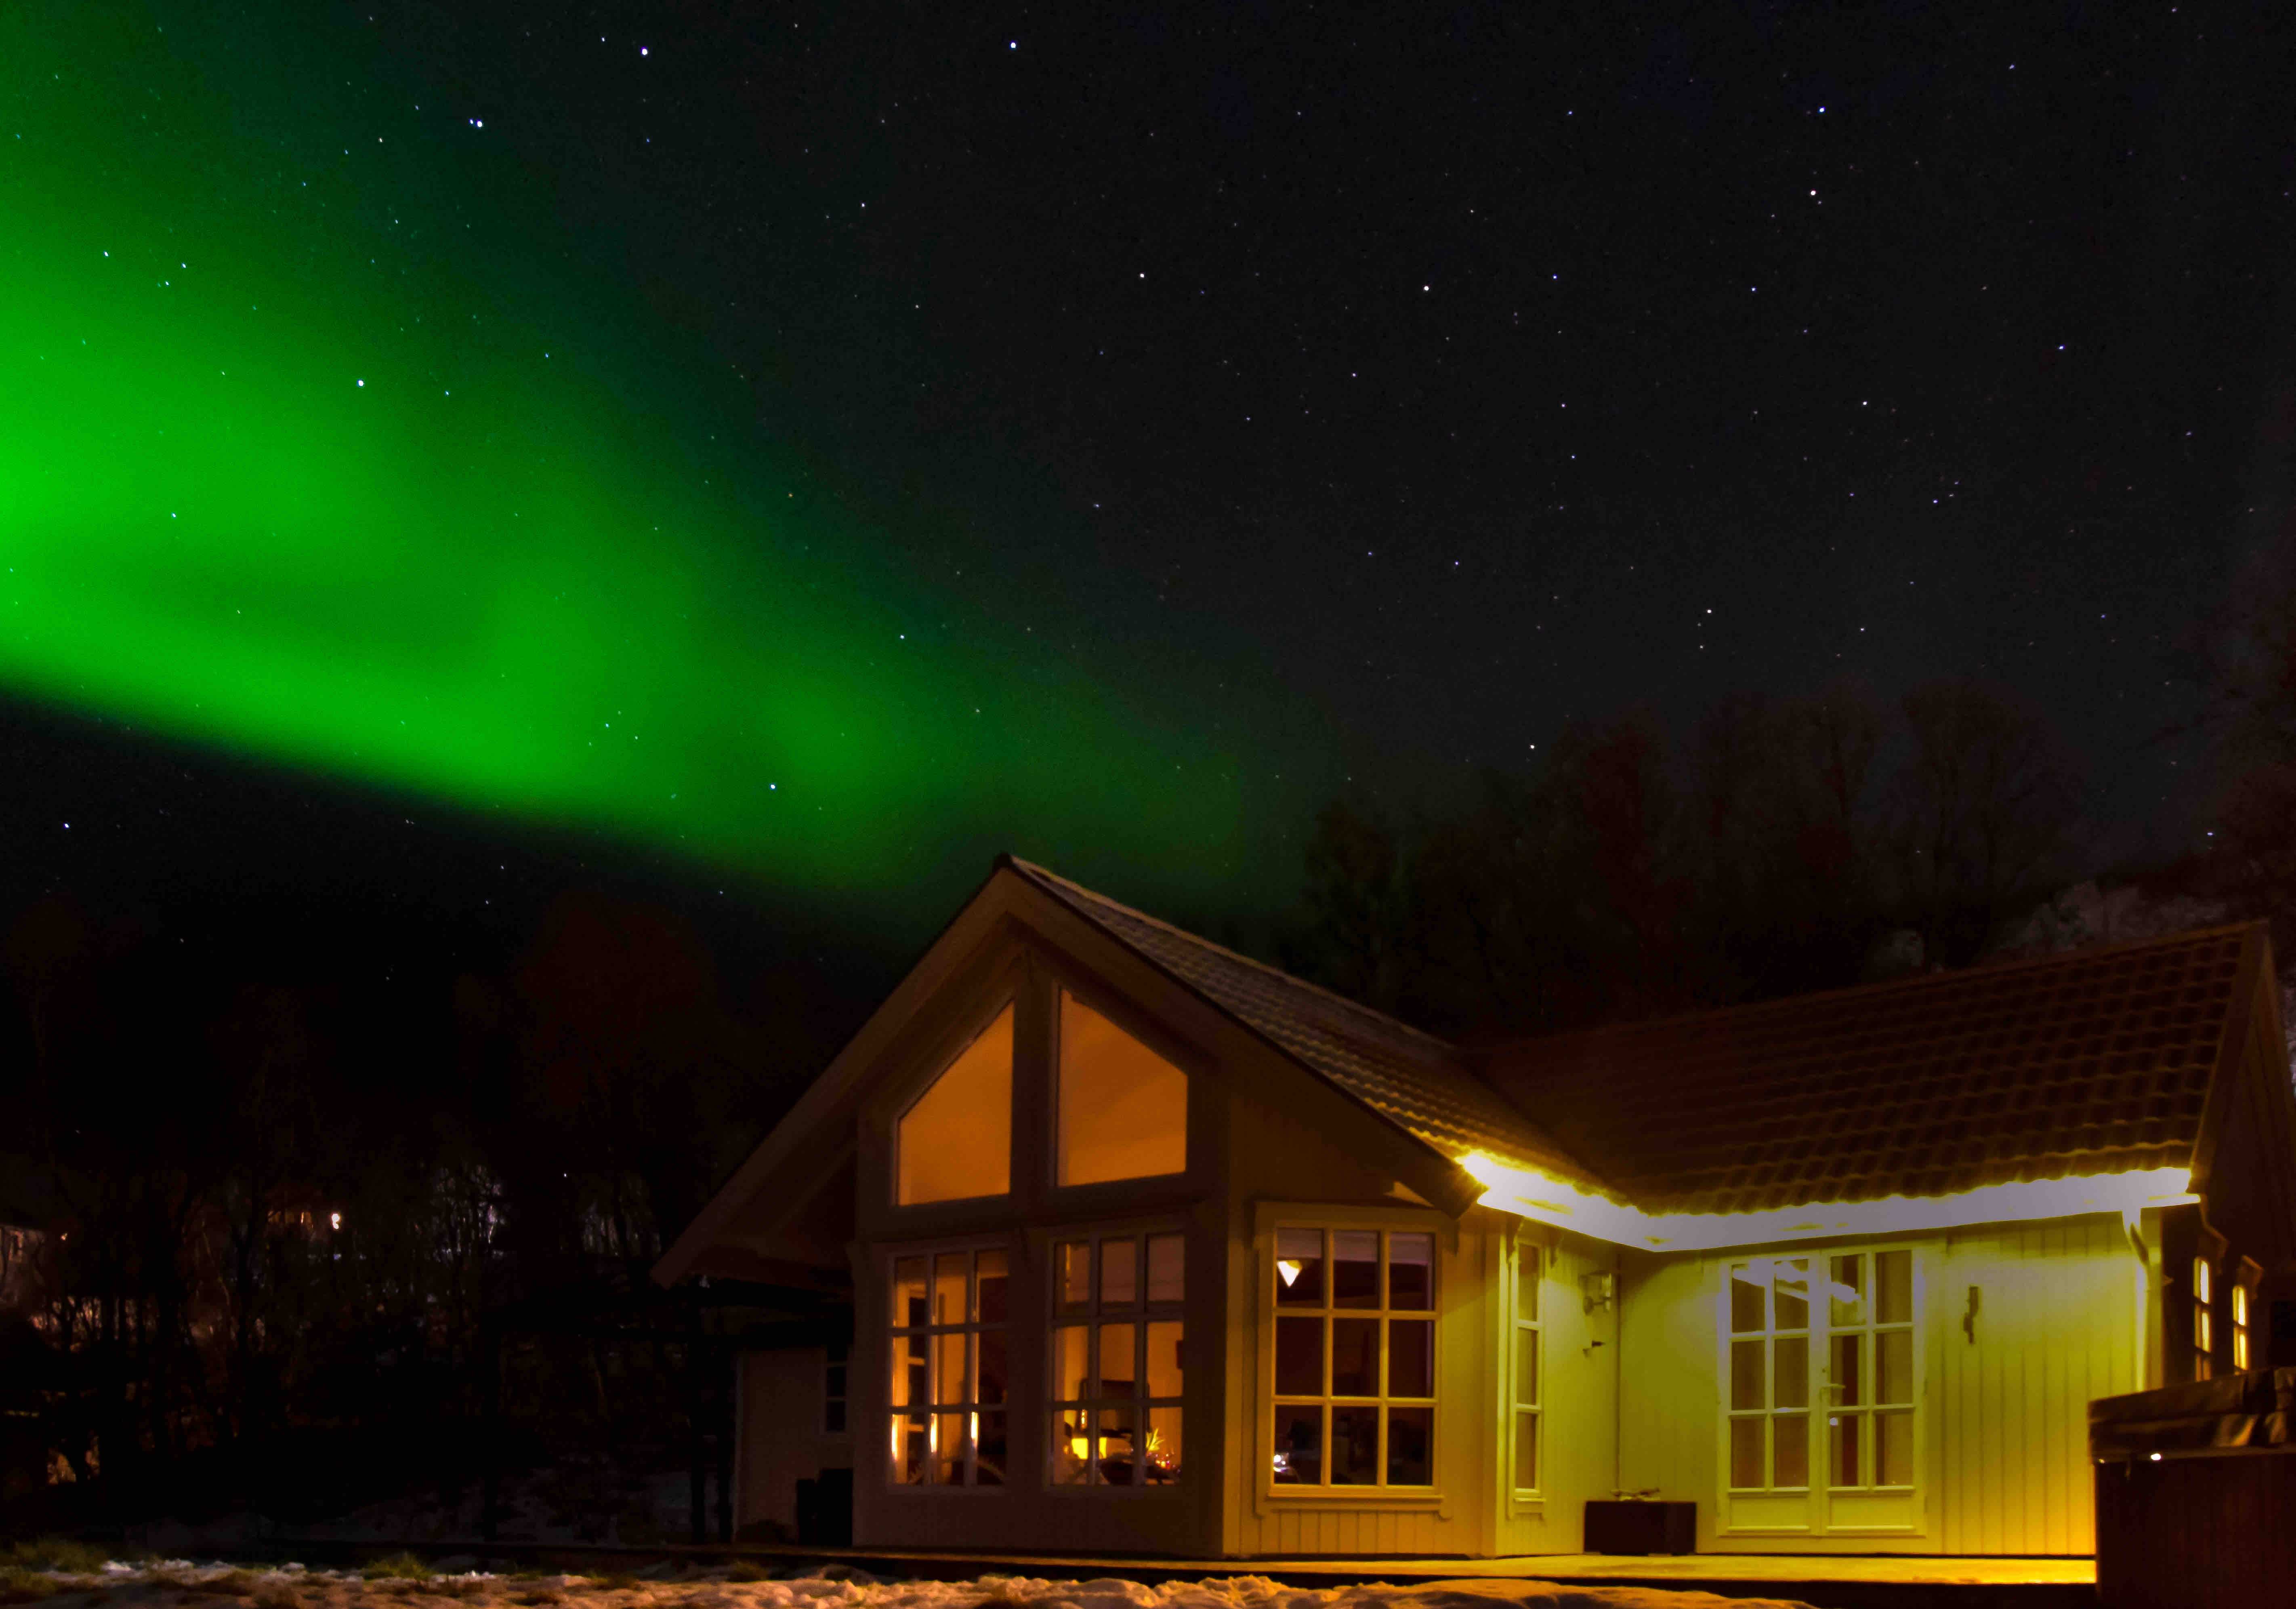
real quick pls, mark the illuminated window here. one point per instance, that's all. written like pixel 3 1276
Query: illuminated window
pixel 1354 1364
pixel 948 1368
pixel 1529 1269
pixel 2204 1334
pixel 955 1139
pixel 1123 1110
pixel 2240 1326
pixel 1118 1350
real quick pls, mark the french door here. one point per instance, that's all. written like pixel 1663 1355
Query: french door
pixel 1819 1430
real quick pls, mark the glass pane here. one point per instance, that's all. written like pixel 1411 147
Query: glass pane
pixel 1847 1380
pixel 1529 1273
pixel 1118 1458
pixel 910 1443
pixel 950 1381
pixel 1355 1446
pixel 1790 1378
pixel 1790 1285
pixel 1299 1443
pixel 1526 1367
pixel 1355 1358
pixel 1164 1358
pixel 1893 1449
pixel 1160 1459
pixel 1355 1274
pixel 1411 1273
pixel 1299 1355
pixel 1119 1368
pixel 1893 1287
pixel 1123 1110
pixel 989 1273
pixel 1409 1460
pixel 1842 1462
pixel 1299 1267
pixel 1069 1367
pixel 1746 1373
pixel 833 1381
pixel 1168 1268
pixel 956 1141
pixel 1076 1273
pixel 1746 1452
pixel 1749 1306
pixel 1119 1273
pixel 988 1450
pixel 991 1361
pixel 1526 1452
pixel 1790 1438
pixel 2201 1277
pixel 1072 1446
pixel 948 1294
pixel 911 1371
pixel 832 1417
pixel 1411 1356
pixel 1849 1292
pixel 2240 1304
pixel 1893 1367
pixel 952 1440
pixel 909 1292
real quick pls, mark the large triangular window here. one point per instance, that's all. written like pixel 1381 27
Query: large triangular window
pixel 956 1141
pixel 1123 1110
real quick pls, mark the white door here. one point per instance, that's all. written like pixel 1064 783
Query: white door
pixel 1819 1417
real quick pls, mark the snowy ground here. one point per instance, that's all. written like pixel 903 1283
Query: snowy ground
pixel 175 1583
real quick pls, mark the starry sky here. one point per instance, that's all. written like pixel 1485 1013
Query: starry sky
pixel 804 449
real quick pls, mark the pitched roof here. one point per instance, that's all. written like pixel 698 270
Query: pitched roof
pixel 2095 1062
pixel 1412 1078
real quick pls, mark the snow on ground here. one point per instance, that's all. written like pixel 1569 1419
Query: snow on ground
pixel 181 1584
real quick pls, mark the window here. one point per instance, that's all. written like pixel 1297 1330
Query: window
pixel 1869 1418
pixel 1769 1375
pixel 956 1140
pixel 1354 1362
pixel 1122 1109
pixel 1118 1350
pixel 2240 1326
pixel 1529 1269
pixel 948 1363
pixel 2204 1338
pixel 832 1390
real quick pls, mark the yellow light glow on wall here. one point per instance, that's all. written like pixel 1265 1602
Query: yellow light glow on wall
pixel 1529 1194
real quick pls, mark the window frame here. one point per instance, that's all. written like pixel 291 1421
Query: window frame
pixel 1532 1260
pixel 1058 989
pixel 1011 997
pixel 1092 1315
pixel 970 1247
pixel 2202 1334
pixel 1325 1490
pixel 2242 1311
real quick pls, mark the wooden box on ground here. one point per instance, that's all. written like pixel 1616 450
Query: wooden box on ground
pixel 2195 1492
pixel 1634 1527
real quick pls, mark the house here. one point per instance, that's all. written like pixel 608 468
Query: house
pixel 1158 1250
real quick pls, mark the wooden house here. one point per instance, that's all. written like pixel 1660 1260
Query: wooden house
pixel 1158 1250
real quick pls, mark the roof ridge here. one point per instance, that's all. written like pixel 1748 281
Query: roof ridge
pixel 1886 985
pixel 1033 870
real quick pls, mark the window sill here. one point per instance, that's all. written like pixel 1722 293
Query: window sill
pixel 1390 1496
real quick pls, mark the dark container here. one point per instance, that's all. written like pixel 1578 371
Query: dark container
pixel 1639 1527
pixel 2196 1494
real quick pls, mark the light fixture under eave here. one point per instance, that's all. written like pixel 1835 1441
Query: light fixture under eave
pixel 1528 1194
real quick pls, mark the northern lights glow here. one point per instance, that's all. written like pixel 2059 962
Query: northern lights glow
pixel 311 448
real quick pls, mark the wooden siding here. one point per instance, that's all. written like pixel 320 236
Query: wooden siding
pixel 2056 1326
pixel 781 1441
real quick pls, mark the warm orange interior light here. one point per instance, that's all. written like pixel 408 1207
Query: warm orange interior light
pixel 1529 1194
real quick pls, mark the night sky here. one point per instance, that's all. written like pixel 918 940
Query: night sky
pixel 780 456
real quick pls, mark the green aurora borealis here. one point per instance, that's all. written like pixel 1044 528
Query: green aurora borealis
pixel 319 445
